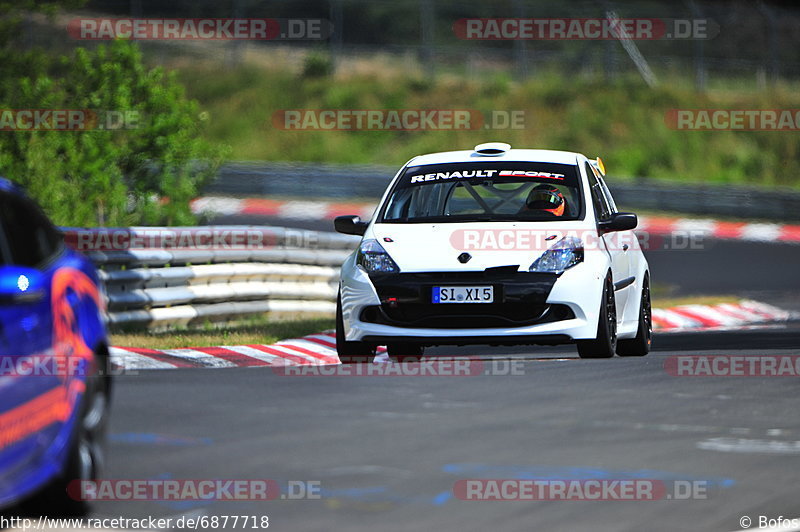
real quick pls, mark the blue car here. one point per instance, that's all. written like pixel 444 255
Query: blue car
pixel 55 381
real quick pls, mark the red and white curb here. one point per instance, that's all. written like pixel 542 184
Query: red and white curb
pixel 314 350
pixel 324 210
pixel 320 349
pixel 725 316
pixel 753 232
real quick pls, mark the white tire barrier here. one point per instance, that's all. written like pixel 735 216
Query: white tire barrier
pixel 163 277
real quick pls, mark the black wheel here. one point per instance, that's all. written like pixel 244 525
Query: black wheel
pixel 640 345
pixel 605 343
pixel 86 457
pixel 350 352
pixel 403 352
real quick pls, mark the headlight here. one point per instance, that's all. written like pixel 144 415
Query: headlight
pixel 563 255
pixel 373 258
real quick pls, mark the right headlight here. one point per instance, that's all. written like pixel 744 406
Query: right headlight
pixel 561 256
pixel 373 258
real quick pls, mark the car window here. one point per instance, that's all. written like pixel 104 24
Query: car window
pixel 485 191
pixel 602 209
pixel 30 238
pixel 607 193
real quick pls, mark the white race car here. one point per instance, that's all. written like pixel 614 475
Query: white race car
pixel 494 246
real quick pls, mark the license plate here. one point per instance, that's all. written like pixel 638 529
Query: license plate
pixel 463 294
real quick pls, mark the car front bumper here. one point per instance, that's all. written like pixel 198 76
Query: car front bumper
pixel 534 308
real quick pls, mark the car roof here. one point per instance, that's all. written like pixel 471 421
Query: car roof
pixel 513 155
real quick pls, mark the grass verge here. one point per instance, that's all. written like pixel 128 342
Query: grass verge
pixel 254 332
pixel 667 302
pixel 625 122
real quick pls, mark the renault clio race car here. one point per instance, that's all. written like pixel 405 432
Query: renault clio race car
pixel 494 246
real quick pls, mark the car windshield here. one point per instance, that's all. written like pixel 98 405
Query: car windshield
pixel 479 192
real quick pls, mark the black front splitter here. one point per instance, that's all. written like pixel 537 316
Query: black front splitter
pixel 548 339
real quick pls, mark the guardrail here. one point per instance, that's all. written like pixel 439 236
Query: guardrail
pixel 369 182
pixel 161 277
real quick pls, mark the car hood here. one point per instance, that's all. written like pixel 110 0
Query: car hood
pixel 437 247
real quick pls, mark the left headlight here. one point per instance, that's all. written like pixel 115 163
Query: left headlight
pixel 561 256
pixel 373 258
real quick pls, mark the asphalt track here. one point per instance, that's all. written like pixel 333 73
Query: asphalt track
pixel 387 450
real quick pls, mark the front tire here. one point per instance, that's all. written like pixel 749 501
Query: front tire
pixel 605 343
pixel 640 345
pixel 350 352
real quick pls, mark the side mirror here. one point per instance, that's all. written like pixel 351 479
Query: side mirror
pixel 350 225
pixel 622 221
pixel 21 285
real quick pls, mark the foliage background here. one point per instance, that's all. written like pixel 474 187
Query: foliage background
pixel 145 174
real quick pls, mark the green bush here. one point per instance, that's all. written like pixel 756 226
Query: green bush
pixel 317 65
pixel 142 171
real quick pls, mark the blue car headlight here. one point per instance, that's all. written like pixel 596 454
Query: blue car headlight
pixel 561 256
pixel 373 258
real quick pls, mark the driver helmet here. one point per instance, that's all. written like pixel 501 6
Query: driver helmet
pixel 546 198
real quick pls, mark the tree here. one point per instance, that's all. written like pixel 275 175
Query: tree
pixel 144 170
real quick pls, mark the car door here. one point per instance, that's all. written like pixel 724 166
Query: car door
pixel 616 243
pixel 29 420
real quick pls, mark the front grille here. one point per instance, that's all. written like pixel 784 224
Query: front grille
pixel 520 298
